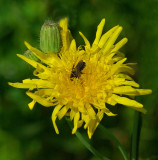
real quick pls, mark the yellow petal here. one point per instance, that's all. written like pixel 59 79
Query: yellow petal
pixel 63 111
pixel 76 119
pixel 127 101
pixel 108 112
pixel 124 90
pixel 144 91
pixel 91 127
pixel 128 90
pixel 116 67
pixel 47 93
pixel 49 58
pixel 73 46
pixel 143 110
pixel 64 23
pixel 125 68
pixel 99 32
pixel 81 107
pixel 90 111
pixel 121 75
pixel 119 44
pixel 31 104
pixel 112 39
pixel 118 56
pixel 42 74
pixel 106 36
pixel 32 62
pixel 111 101
pixel 130 83
pixel 121 61
pixel 40 100
pixel 64 33
pixel 72 114
pixel 100 115
pixel 35 51
pixel 86 119
pixel 32 84
pixel 54 116
pixel 22 85
pixel 39 83
pixel 80 122
pixel 87 44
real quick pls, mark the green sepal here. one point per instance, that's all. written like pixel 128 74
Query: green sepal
pixel 50 40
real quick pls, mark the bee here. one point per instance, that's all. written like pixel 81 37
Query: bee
pixel 77 71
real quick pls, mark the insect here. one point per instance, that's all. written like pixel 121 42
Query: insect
pixel 77 71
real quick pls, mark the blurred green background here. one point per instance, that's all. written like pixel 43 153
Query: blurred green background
pixel 29 135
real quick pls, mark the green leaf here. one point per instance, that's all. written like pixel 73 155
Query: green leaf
pixel 136 135
pixel 113 138
pixel 86 144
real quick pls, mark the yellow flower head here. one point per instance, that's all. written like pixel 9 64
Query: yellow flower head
pixel 80 82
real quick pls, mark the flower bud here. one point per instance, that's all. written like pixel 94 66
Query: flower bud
pixel 50 37
pixel 30 55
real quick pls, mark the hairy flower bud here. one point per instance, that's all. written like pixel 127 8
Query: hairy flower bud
pixel 50 37
pixel 30 55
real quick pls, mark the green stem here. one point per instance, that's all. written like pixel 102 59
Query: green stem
pixel 113 138
pixel 136 135
pixel 86 144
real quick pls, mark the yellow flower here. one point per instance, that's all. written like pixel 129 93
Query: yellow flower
pixel 80 82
